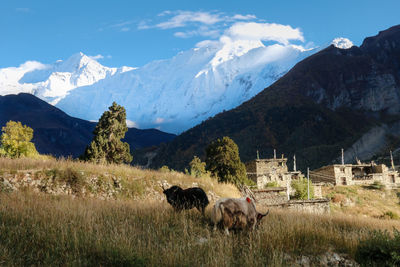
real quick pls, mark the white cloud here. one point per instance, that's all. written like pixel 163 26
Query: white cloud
pixel 131 124
pixel 182 18
pixel 143 25
pixel 31 65
pixel 243 17
pixel 342 43
pixel 206 43
pixel 125 29
pixel 96 57
pixel 265 32
pixel 166 12
pixel 219 25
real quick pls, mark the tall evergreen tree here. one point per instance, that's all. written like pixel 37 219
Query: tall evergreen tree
pixel 107 146
pixel 223 161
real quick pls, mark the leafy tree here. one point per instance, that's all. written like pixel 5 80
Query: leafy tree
pixel 16 141
pixel 301 190
pixel 197 167
pixel 223 161
pixel 107 146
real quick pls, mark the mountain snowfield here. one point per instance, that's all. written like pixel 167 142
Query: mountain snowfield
pixel 171 95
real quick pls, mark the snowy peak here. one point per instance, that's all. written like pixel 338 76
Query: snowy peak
pixel 77 63
pixel 342 43
pixel 172 94
pixel 232 49
pixel 54 81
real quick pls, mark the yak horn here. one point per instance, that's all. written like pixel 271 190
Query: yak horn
pixel 162 186
pixel 266 213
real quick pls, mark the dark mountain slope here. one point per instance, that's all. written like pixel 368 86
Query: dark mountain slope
pixel 326 102
pixel 57 133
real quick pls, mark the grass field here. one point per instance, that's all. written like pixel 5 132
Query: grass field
pixel 38 229
pixel 137 229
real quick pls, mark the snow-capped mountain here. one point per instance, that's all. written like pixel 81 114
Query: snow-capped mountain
pixel 53 82
pixel 172 95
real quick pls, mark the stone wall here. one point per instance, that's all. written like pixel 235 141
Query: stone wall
pixel 270 196
pixel 318 206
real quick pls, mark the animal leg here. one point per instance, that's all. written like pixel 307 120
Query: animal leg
pixel 226 231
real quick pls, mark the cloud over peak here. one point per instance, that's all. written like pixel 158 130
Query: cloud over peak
pixel 264 32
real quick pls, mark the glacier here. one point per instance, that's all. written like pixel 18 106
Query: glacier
pixel 172 95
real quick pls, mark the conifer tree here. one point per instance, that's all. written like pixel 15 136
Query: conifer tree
pixel 16 141
pixel 223 161
pixel 107 146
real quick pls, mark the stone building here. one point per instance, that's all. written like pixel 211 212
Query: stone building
pixel 264 171
pixel 356 174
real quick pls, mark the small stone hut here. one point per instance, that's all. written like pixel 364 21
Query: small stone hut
pixel 264 171
pixel 356 174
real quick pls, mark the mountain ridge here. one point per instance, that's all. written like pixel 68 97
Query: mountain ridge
pixel 212 77
pixel 57 133
pixel 324 103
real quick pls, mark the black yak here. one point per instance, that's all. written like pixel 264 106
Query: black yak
pixel 186 198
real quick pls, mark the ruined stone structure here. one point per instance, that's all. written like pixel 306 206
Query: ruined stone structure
pixel 356 174
pixel 264 171
pixel 318 206
pixel 271 196
pixel 276 197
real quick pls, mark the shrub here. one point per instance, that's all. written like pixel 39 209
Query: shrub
pixel 379 249
pixel 164 168
pixel 74 179
pixel 390 215
pixel 300 187
pixel 271 184
pixel 197 167
pixel 377 185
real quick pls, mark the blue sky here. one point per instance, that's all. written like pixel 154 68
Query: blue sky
pixel 133 33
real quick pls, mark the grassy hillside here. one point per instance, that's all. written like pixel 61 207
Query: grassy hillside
pixel 364 201
pixel 102 181
pixel 137 227
pixel 53 230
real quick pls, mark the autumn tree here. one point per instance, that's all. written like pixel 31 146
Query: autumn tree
pixel 107 146
pixel 223 161
pixel 16 141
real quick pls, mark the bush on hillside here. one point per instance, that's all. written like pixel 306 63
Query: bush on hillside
pixel 379 249
pixel 377 185
pixel 197 167
pixel 301 188
pixel 271 184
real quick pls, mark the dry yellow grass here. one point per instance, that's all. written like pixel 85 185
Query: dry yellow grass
pixel 359 200
pixel 136 181
pixel 38 229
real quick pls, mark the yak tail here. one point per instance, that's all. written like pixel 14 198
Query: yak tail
pixel 216 215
